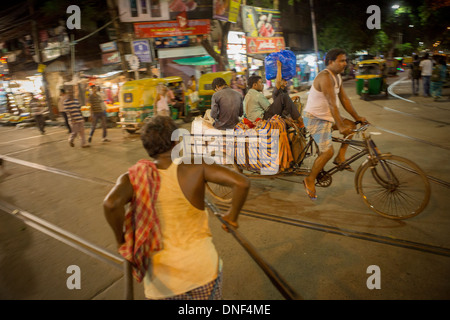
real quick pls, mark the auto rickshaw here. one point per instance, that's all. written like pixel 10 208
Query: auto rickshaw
pixel 137 101
pixel 371 78
pixel 199 102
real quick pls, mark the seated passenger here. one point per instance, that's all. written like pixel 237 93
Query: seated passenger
pixel 226 105
pixel 257 106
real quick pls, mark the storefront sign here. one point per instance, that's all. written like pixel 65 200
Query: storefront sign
pixel 226 13
pixel 111 58
pixel 264 45
pixel 171 28
pixel 108 46
pixel 141 49
pixel 172 42
pixel 261 22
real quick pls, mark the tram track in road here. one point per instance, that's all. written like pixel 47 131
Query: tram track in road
pixel 418 246
pixel 261 215
pixel 409 114
pixel 374 238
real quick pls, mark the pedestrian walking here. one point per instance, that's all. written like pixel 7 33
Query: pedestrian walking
pixel 438 76
pixel 73 109
pixel 165 98
pixel 226 105
pixel 426 67
pixel 98 113
pixel 62 112
pixel 165 232
pixel 415 75
pixel 38 110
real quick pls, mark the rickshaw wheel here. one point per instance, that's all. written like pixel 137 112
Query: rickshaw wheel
pixel 219 192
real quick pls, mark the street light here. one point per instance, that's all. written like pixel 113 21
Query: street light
pixel 395 6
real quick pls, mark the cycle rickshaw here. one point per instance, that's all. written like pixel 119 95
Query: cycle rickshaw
pixel 390 185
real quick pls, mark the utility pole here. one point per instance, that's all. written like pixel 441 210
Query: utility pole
pixel 120 45
pixel 38 53
pixel 313 22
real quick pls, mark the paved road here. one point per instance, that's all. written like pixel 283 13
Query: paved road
pixel 323 251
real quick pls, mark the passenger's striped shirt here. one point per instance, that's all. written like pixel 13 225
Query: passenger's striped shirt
pixel 73 110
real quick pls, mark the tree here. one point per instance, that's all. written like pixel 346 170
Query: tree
pixel 221 57
pixel 339 32
pixel 381 44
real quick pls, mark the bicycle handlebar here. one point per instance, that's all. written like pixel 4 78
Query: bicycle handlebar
pixel 363 126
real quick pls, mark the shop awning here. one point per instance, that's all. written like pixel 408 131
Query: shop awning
pixel 104 71
pixel 197 61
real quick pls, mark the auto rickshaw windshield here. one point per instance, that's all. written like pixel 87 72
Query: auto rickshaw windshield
pixel 369 69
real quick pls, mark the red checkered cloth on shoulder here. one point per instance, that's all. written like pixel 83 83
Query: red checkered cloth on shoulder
pixel 142 229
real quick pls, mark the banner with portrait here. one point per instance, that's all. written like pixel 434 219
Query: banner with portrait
pixel 261 22
pixel 226 10
pixel 163 10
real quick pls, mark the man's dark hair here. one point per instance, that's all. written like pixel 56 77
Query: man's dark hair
pixel 156 135
pixel 333 54
pixel 251 80
pixel 218 82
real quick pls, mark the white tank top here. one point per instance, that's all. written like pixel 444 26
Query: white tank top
pixel 318 105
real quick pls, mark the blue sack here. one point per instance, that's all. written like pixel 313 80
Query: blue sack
pixel 288 60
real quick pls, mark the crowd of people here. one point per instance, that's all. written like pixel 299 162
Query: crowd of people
pixel 433 73
pixel 70 109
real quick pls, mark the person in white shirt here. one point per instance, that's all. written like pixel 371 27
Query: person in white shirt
pixel 164 100
pixel 426 67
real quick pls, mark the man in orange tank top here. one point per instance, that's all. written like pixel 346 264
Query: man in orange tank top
pixel 321 115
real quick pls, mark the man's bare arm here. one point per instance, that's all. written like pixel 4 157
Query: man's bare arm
pixel 114 206
pixel 348 106
pixel 238 182
pixel 278 78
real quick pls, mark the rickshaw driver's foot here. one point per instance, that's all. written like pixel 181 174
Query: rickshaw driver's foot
pixel 311 192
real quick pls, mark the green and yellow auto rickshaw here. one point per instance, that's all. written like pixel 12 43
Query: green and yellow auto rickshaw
pixel 371 78
pixel 137 100
pixel 200 101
